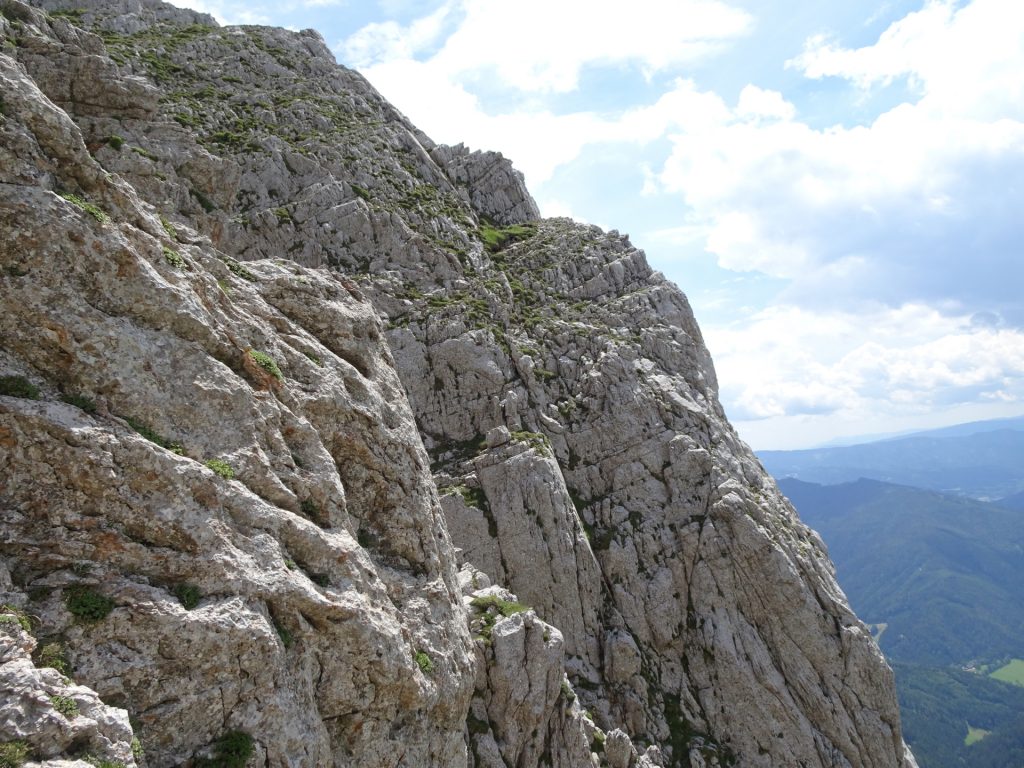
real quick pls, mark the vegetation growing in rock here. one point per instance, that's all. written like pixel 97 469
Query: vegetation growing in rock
pixel 65 705
pixel 84 205
pixel 18 386
pixel 146 432
pixel 174 258
pixel 285 634
pixel 144 153
pixel 204 202
pixel 221 468
pixel 567 692
pixel 87 604
pixel 504 607
pixel 188 595
pixel 535 440
pixel 11 615
pixel 232 750
pixel 239 270
pixel 52 655
pixel 267 363
pixel 311 511
pixel 168 227
pixel 424 662
pixel 99 762
pixel 81 402
pixel 13 754
pixel 495 238
pixel 473 497
pixel 494 607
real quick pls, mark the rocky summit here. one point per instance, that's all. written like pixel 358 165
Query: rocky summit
pixel 319 447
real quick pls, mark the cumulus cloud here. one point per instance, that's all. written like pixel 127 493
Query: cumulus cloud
pixel 861 365
pixel 540 46
pixel 534 48
pixel 390 41
pixel 920 204
pixel 965 60
pixel 229 11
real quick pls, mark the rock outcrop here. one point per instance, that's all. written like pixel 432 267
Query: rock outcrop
pixel 276 367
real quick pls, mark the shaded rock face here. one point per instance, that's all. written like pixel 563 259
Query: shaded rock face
pixel 277 365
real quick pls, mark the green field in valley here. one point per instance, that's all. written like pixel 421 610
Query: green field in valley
pixel 975 735
pixel 1010 673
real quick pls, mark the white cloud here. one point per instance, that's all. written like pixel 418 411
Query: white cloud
pixel 228 11
pixel 966 61
pixel 538 141
pixel 760 104
pixel 389 41
pixel 435 68
pixel 788 361
pixel 541 46
pixel 921 204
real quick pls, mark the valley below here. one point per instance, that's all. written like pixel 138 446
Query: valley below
pixel 936 574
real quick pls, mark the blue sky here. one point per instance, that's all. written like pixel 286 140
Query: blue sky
pixel 836 186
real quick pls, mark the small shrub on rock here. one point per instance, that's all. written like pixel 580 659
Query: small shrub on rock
pixel 18 386
pixel 221 468
pixel 87 604
pixel 424 662
pixel 188 595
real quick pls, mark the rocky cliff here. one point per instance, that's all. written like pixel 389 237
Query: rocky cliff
pixel 319 447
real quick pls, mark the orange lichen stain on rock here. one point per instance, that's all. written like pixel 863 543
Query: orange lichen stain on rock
pixel 60 337
pixel 105 544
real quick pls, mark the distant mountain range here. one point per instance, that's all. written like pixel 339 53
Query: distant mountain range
pixel 983 460
pixel 955 430
pixel 939 578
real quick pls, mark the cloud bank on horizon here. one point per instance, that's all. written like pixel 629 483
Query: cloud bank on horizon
pixel 837 189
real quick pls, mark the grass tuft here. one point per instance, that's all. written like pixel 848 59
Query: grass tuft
pixel 13 754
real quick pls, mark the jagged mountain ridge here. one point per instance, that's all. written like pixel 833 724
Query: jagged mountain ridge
pixel 560 387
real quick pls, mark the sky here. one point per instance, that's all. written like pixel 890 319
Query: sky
pixel 837 186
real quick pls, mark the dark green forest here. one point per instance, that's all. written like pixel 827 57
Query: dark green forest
pixel 938 705
pixel 942 574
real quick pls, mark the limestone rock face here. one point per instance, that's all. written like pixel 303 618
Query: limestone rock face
pixel 493 187
pixel 219 506
pixel 42 710
pixel 278 366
